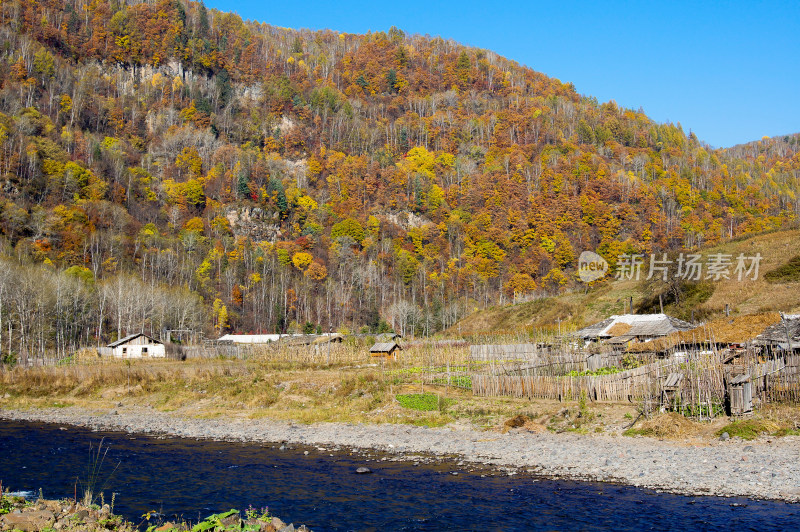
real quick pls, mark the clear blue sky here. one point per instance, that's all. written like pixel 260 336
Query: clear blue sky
pixel 727 70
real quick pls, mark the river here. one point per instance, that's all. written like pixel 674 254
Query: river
pixel 192 479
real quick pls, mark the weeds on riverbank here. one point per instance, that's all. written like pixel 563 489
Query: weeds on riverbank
pixel 96 480
pixel 750 429
pixel 213 388
pixel 253 521
pixel 275 389
pixel 17 513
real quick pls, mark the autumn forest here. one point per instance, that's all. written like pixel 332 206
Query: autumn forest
pixel 164 166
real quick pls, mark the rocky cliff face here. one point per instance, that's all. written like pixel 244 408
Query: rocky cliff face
pixel 254 223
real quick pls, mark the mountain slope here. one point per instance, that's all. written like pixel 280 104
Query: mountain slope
pixel 704 300
pixel 286 177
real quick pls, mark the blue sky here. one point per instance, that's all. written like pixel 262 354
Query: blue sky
pixel 727 70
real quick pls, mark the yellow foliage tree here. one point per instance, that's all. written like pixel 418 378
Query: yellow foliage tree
pixel 519 284
pixel 195 224
pixel 220 316
pixel 316 271
pixel 301 260
pixel 189 160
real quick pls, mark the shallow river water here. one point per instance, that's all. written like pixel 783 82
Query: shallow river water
pixel 191 479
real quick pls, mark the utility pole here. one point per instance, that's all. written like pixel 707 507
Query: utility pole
pixel 330 339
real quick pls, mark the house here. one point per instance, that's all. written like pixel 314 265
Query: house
pixel 332 338
pixel 385 349
pixel 632 328
pixel 137 345
pixel 733 334
pixel 783 335
pixel 388 337
pixel 250 338
pixel 298 340
pixel 287 339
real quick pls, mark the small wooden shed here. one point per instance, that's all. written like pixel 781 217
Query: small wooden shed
pixel 137 345
pixel 741 394
pixel 671 391
pixel 385 349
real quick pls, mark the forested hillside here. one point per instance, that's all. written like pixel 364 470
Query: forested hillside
pixel 166 166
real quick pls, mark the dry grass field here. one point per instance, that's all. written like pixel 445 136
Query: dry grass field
pixel 288 384
pixel 356 388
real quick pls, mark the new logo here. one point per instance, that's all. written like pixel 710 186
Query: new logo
pixel 591 267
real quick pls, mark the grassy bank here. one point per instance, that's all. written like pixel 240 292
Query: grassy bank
pixel 369 392
pixel 17 513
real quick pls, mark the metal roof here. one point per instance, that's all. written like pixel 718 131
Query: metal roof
pixel 620 339
pixel 131 337
pixel 779 333
pixel 641 325
pixel 251 338
pixel 594 330
pixel 384 347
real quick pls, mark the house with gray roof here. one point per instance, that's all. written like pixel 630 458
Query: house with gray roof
pixel 627 328
pixel 137 345
pixel 385 349
pixel 784 335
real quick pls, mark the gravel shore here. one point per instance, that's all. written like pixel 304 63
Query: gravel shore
pixel 762 469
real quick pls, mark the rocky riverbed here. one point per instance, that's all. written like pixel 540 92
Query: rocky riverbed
pixel 765 468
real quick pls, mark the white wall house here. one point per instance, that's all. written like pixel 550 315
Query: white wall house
pixel 137 346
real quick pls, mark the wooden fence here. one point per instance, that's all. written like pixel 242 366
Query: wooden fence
pixel 630 385
pixel 219 351
pixel 782 385
pixel 550 367
pixel 702 390
pixel 40 361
